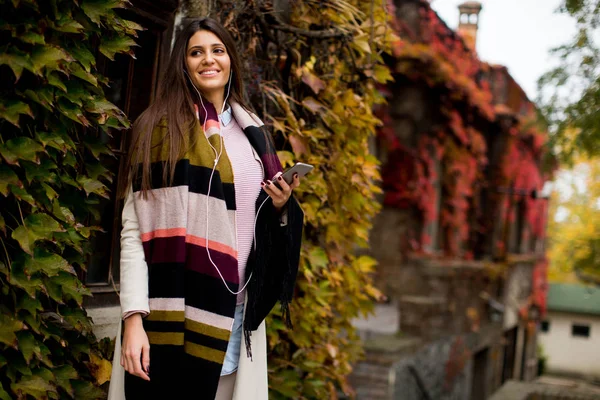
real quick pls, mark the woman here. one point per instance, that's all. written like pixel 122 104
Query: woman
pixel 209 242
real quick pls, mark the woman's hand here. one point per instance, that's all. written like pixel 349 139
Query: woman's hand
pixel 280 196
pixel 135 347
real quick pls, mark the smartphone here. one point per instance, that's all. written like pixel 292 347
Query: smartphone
pixel 299 168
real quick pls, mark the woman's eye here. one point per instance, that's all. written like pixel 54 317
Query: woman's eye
pixel 219 51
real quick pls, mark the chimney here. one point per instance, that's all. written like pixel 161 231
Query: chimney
pixel 469 22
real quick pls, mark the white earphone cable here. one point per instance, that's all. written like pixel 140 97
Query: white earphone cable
pixel 216 161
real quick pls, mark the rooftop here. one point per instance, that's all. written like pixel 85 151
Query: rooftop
pixel 568 297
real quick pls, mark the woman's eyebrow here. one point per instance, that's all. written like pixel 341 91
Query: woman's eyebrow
pixel 212 45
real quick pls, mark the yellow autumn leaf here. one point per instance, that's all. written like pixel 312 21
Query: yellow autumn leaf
pixel 100 369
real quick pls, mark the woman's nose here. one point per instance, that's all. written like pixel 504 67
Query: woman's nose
pixel 208 59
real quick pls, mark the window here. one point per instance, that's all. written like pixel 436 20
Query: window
pixel 545 326
pixel 580 330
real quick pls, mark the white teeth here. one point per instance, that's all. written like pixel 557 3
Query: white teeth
pixel 208 73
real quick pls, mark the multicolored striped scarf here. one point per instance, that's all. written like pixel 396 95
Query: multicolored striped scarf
pixel 191 311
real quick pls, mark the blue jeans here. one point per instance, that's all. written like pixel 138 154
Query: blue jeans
pixel 232 356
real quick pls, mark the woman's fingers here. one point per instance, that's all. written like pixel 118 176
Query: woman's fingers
pixel 281 194
pixel 135 353
pixel 137 368
pixel 146 358
pixel 285 188
pixel 295 182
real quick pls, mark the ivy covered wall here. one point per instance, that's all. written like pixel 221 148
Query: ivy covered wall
pixel 54 125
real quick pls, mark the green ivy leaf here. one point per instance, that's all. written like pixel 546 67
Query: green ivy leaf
pixel 21 235
pixel 42 172
pixel 32 322
pixel 54 290
pixel 31 305
pixel 365 264
pixel 22 194
pixel 78 71
pixel 34 385
pixel 30 284
pixel 63 213
pixel 3 394
pixel 37 227
pixel 66 286
pixel 48 57
pixel 7 176
pixel 17 366
pixel 317 258
pixel 23 148
pixel 42 224
pixel 8 329
pixel 129 27
pixel 286 158
pixel 67 26
pixel 73 112
pixel 11 110
pixel 28 346
pixel 74 289
pixel 63 375
pixel 95 9
pixel 97 170
pixel 97 148
pixel 17 61
pixel 45 355
pixel 118 44
pixel 32 37
pixel 93 186
pixel 382 73
pixel 47 263
pixel 35 96
pixel 50 192
pixel 84 56
pixel 54 80
pixel 59 141
pixel 86 390
pixel 3 362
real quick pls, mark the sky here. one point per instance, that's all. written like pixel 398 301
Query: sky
pixel 516 33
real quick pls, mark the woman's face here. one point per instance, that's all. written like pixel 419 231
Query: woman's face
pixel 208 63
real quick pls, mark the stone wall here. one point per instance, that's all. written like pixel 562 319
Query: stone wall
pixel 514 390
pixel 445 369
pixel 407 368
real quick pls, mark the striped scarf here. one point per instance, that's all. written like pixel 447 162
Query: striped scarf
pixel 191 311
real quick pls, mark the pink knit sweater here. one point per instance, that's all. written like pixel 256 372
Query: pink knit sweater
pixel 248 175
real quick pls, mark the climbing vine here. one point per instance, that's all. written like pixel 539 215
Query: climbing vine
pixel 454 152
pixel 54 121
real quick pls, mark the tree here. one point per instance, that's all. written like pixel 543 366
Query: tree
pixel 570 93
pixel 575 237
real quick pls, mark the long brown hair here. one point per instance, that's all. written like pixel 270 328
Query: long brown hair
pixel 175 100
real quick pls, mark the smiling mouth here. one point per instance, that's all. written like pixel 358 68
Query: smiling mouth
pixel 211 72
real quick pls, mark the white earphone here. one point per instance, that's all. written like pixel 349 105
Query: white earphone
pixel 216 161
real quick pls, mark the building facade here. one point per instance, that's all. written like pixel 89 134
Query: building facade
pixel 461 238
pixel 571 331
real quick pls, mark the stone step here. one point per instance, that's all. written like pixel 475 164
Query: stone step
pixel 384 320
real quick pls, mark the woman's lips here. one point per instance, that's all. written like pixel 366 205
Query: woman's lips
pixel 209 73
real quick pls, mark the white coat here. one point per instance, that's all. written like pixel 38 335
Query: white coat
pixel 251 379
